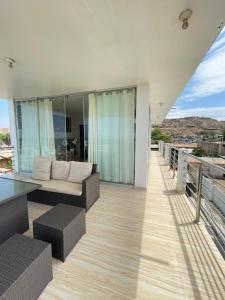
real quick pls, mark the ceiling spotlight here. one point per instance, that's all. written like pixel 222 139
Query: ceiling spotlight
pixel 220 26
pixel 184 17
pixel 10 61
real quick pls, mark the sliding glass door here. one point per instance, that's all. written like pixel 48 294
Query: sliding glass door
pixel 77 127
pixel 98 127
pixel 59 121
pixel 56 127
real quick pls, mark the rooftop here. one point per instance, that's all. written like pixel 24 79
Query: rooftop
pixel 212 160
pixel 186 145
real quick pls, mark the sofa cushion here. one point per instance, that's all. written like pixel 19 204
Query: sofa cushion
pixel 57 186
pixel 41 168
pixel 60 170
pixel 79 171
pixel 62 186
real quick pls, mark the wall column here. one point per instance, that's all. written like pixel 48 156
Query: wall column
pixel 142 136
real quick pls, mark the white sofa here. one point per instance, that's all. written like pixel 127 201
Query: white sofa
pixel 74 183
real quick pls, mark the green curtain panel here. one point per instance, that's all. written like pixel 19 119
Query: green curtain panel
pixel 111 134
pixel 37 131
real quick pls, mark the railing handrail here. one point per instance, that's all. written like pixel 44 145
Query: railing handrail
pixel 204 162
pixel 202 194
pixel 201 160
pixel 6 147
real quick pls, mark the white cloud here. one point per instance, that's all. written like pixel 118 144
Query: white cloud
pixel 210 112
pixel 209 78
pixel 219 41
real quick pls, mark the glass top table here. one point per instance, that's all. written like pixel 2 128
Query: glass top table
pixel 11 189
pixel 13 206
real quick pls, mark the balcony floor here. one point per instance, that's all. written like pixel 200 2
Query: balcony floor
pixel 139 245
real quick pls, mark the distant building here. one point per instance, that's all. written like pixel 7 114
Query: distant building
pixel 210 171
pixel 213 148
pixel 186 146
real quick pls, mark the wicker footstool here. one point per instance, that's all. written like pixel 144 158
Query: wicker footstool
pixel 25 268
pixel 62 226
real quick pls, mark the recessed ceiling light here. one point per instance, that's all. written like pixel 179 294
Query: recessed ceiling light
pixel 10 61
pixel 220 26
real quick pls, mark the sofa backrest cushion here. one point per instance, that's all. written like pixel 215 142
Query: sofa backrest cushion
pixel 60 169
pixel 79 171
pixel 41 168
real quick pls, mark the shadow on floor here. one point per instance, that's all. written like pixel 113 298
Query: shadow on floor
pixel 105 263
pixel 201 258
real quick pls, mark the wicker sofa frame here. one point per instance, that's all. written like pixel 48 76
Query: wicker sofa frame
pixel 90 193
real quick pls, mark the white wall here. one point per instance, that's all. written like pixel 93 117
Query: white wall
pixel 142 136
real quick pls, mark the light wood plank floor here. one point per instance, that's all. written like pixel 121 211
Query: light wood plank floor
pixel 139 245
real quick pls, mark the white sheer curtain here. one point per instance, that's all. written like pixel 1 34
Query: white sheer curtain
pixel 46 128
pixel 29 134
pixel 111 134
pixel 37 131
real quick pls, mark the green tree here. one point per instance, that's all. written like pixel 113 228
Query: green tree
pixel 157 135
pixel 199 151
pixel 4 137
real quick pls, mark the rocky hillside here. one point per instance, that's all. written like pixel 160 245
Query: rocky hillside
pixel 192 126
pixel 204 123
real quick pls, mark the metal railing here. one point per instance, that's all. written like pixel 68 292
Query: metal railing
pixel 204 185
pixel 205 188
pixel 173 160
pixel 7 162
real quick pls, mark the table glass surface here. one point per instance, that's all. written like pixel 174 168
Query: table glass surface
pixel 11 189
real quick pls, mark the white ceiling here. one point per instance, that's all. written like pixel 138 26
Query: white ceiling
pixel 66 46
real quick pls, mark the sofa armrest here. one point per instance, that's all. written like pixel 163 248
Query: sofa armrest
pixel 90 189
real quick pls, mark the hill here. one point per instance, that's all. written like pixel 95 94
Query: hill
pixel 192 126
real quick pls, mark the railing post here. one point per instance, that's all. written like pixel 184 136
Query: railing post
pixel 159 144
pixel 181 171
pixel 161 147
pixel 167 153
pixel 199 192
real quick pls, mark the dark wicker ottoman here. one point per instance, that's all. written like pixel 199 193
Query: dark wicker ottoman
pixel 62 226
pixel 25 268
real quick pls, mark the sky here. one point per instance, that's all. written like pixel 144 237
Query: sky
pixel 203 96
pixel 4 118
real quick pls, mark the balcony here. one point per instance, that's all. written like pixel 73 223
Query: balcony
pixel 140 245
pixel 86 86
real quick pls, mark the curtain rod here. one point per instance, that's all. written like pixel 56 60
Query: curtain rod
pixel 74 94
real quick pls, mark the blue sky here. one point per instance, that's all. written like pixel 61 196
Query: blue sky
pixel 204 95
pixel 4 119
